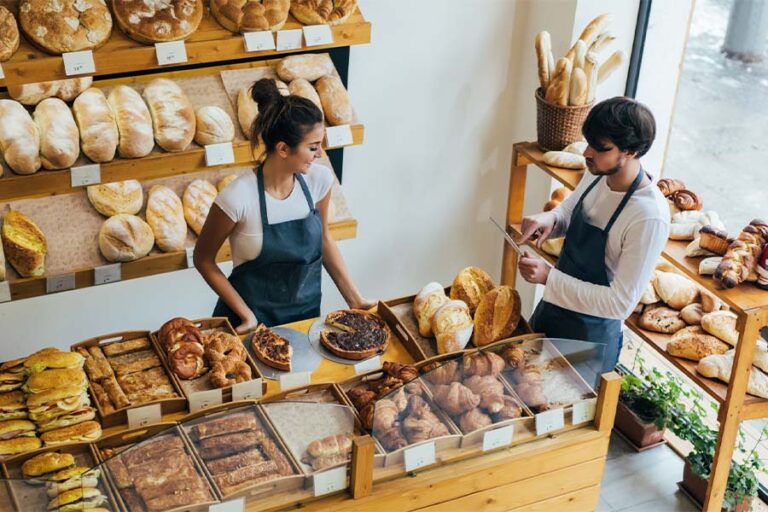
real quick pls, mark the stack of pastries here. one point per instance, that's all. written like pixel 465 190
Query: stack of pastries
pixel 69 487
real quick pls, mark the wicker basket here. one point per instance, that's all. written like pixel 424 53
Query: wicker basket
pixel 558 126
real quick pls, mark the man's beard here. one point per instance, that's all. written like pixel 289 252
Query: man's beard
pixel 609 172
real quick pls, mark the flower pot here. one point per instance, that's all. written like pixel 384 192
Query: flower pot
pixel 640 433
pixel 696 488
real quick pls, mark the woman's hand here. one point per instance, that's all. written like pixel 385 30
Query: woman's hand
pixel 247 324
pixel 363 303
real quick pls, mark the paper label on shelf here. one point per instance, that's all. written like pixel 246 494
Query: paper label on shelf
pixel 374 363
pixel 549 421
pixel 5 291
pixel 2 73
pixel 107 274
pixel 289 39
pixel 85 175
pixel 190 257
pixel 62 283
pixel 247 390
pixel 419 456
pixel 316 35
pixel 142 416
pixel 237 505
pixel 204 399
pixel 338 136
pixel 79 63
pixel 329 481
pixel 259 41
pixel 172 52
pixel 584 411
pixel 498 438
pixel 219 154
pixel 294 380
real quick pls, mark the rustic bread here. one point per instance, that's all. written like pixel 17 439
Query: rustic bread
pixel 675 290
pixel 9 34
pixel 426 303
pixel 565 160
pixel 452 325
pixel 59 136
pixel 721 324
pixel 661 319
pixel 24 244
pixel 125 237
pixel 692 314
pixel 309 66
pixel 158 21
pixel 34 93
pixel 122 197
pixel 98 130
pixel 337 105
pixel 66 26
pixel 19 138
pixel 470 286
pixel 649 296
pixel 497 316
pixel 214 126
pixel 165 215
pixel 302 87
pixel 134 122
pixel 695 344
pixel 197 200
pixel 173 118
pixel 720 366
pixel 320 12
pixel 250 15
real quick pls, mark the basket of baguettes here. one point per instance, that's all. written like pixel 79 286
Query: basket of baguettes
pixel 567 87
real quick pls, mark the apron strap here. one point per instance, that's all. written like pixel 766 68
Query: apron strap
pixel 625 199
pixel 589 189
pixel 262 195
pixel 305 188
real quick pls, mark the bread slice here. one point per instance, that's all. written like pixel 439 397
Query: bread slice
pixel 271 348
pixel 363 334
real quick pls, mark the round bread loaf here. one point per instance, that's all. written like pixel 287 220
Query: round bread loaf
pixel 316 12
pixel 470 286
pixel 125 238
pixel 115 198
pixel 214 126
pixel 250 15
pixel 497 316
pixel 155 21
pixel 9 34
pixel 66 25
pixel 197 200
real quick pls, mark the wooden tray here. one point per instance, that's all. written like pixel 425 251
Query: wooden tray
pixel 25 496
pixel 203 383
pixel 120 416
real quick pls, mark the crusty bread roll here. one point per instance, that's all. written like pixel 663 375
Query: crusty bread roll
pixel 9 34
pixel 429 299
pixel 214 126
pixel 452 325
pixel 24 244
pixel 59 136
pixel 470 286
pixel 247 109
pixel 134 123
pixel 543 44
pixel 250 15
pixel 121 197
pixel 692 314
pixel 125 237
pixel 497 316
pixel 710 303
pixel 675 290
pixel 19 138
pixel 577 148
pixel 197 200
pixel 721 324
pixel 337 105
pixel 661 319
pixel 301 87
pixel 226 180
pixel 173 119
pixel 565 160
pixel 309 66
pixel 610 65
pixel 98 130
pixel 695 344
pixel 578 92
pixel 71 88
pixel 165 215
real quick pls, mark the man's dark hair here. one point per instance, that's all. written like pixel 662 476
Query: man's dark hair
pixel 624 122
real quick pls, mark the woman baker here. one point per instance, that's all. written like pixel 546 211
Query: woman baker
pixel 276 219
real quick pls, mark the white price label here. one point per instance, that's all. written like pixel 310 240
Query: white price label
pixel 259 41
pixel 498 438
pixel 549 421
pixel 316 35
pixel 142 416
pixel 204 399
pixel 583 411
pixel 330 481
pixel 419 456
pixel 295 380
pixel 374 363
pixel 289 39
pixel 5 291
pixel 247 390
pixel 173 52
pixel 190 257
pixel 219 154
pixel 338 136
pixel 62 283
pixel 107 274
pixel 85 175
pixel 2 73
pixel 79 63
pixel 237 505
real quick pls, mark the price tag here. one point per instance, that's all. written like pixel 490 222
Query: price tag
pixel 173 52
pixel 259 41
pixel 498 438
pixel 62 283
pixel 237 505
pixel 107 274
pixel 142 416
pixel 85 175
pixel 295 380
pixel 247 390
pixel 219 154
pixel 190 257
pixel 583 411
pixel 338 136
pixel 204 399
pixel 5 291
pixel 549 421
pixel 2 73
pixel 79 63
pixel 419 456
pixel 374 363
pixel 316 35
pixel 289 39
pixel 330 481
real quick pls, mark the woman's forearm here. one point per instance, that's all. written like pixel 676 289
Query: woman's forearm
pixel 223 288
pixel 334 263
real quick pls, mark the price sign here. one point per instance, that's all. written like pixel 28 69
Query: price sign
pixel 338 136
pixel 317 35
pixel 173 52
pixel 247 390
pixel 330 481
pixel 259 41
pixel 289 39
pixel 374 363
pixel 419 456
pixel 79 63
pixel 61 283
pixel 5 291
pixel 107 274
pixel 295 380
pixel 204 399
pixel 142 416
pixel 584 411
pixel 85 175
pixel 237 505
pixel 549 421
pixel 190 256
pixel 219 154
pixel 498 438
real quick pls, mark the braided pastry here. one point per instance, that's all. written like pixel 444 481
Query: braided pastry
pixel 669 186
pixel 686 200
pixel 740 261
pixel 320 12
pixel 250 15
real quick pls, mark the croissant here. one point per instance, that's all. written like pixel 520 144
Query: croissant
pixel 514 356
pixel 474 420
pixel 490 390
pixel 740 261
pixel 361 397
pixel 385 415
pixel 669 186
pixel 444 374
pixel 404 372
pixel 413 387
pixel 686 200
pixel 530 373
pixel 510 411
pixel 483 363
pixel 386 385
pixel 340 444
pixel 532 395
pixel 455 398
pixel 392 438
pixel 422 423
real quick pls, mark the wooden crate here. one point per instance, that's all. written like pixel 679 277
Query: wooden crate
pixel 120 416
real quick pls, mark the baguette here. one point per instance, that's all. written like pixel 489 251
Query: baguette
pixel 602 42
pixel 591 70
pixel 579 54
pixel 557 91
pixel 543 46
pixel 609 66
pixel 19 138
pixel 595 27
pixel 578 93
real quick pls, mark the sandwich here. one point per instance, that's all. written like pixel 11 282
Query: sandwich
pixel 52 403
pixel 16 428
pixel 53 360
pixel 85 431
pixel 19 445
pixel 69 419
pixel 45 465
pixel 74 478
pixel 49 379
pixel 12 406
pixel 82 498
pixel 11 381
pixel 13 366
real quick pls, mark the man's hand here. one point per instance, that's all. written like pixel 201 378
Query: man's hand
pixel 538 227
pixel 534 269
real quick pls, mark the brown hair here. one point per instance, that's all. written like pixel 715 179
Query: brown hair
pixel 624 122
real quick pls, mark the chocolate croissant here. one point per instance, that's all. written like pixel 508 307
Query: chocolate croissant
pixel 669 186
pixel 686 200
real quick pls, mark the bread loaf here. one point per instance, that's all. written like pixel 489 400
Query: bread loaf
pixel 675 290
pixel 692 314
pixel 565 160
pixel 681 231
pixel 303 88
pixel 331 12
pixel 710 303
pixel 214 126
pixel 250 15
pixel 591 70
pixel 663 320
pixel 470 286
pixel 32 94
pixel 695 344
pixel 602 42
pixel 98 130
pixel 9 34
pixel 125 237
pixel 649 295
pixel 429 299
pixel 576 148
pixel 595 27
pixel 497 316
pixel 19 138
pixel 452 325
pixel 309 66
pixel 580 52
pixel 543 44
pixel 578 92
pixel 59 136
pixel 197 200
pixel 173 119
pixel 65 26
pixel 609 66
pixel 24 244
pixel 155 21
pixel 721 324
pixel 226 180
pixel 165 215
pixel 134 123
pixel 560 84
pixel 720 366
pixel 337 105
pixel 122 197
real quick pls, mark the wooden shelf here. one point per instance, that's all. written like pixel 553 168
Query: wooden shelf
pixel 530 153
pixel 211 43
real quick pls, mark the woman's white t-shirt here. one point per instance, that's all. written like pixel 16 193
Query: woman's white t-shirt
pixel 240 202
